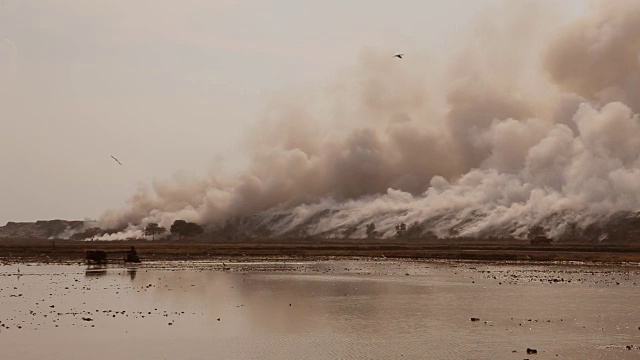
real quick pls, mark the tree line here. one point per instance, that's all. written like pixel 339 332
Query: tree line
pixel 179 227
pixel 402 231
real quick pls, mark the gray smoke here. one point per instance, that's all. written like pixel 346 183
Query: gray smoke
pixel 527 124
pixel 597 57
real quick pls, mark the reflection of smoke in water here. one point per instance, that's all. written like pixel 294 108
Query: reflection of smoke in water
pixel 509 151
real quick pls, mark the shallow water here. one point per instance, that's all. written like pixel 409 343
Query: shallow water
pixel 319 310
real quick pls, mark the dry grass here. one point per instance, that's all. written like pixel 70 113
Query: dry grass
pixel 66 250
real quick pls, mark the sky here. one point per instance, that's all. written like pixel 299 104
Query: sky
pixel 174 87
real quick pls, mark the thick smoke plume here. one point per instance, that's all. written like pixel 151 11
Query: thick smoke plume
pixel 529 127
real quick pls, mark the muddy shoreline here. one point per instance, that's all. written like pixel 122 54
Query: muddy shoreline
pixel 279 307
pixel 60 251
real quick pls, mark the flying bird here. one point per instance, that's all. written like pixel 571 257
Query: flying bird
pixel 399 56
pixel 114 158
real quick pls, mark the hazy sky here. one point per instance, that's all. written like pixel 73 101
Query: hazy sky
pixel 171 86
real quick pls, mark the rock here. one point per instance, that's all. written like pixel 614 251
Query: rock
pixel 531 351
pixel 87 319
pixel 475 319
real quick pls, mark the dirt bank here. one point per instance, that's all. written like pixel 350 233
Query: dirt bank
pixel 69 251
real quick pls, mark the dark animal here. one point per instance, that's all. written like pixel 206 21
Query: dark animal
pixel 531 351
pixel 96 256
pixel 399 56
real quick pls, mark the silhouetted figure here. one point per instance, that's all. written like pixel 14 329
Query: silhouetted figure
pixel 132 256
pixel 399 56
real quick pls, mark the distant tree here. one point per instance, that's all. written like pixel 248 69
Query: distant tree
pixel 186 229
pixel 536 231
pixel 371 231
pixel 193 229
pixel 414 230
pixel 401 230
pixel 177 227
pixel 153 229
pixel 346 233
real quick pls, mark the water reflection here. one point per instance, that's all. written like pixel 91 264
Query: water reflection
pixel 95 270
pixel 318 311
pixel 132 273
pixel 98 270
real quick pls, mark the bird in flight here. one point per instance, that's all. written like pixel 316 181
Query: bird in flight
pixel 114 158
pixel 399 56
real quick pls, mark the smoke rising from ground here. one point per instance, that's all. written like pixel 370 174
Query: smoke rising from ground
pixel 527 124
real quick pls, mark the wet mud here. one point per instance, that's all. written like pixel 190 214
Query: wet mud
pixel 281 308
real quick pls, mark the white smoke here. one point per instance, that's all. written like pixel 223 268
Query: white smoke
pixel 591 173
pixel 491 148
pixel 131 232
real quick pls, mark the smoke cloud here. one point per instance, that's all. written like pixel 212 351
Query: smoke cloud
pixel 529 127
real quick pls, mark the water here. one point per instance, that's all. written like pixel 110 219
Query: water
pixel 319 310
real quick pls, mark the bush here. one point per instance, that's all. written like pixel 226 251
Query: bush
pixel 153 229
pixel 186 229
